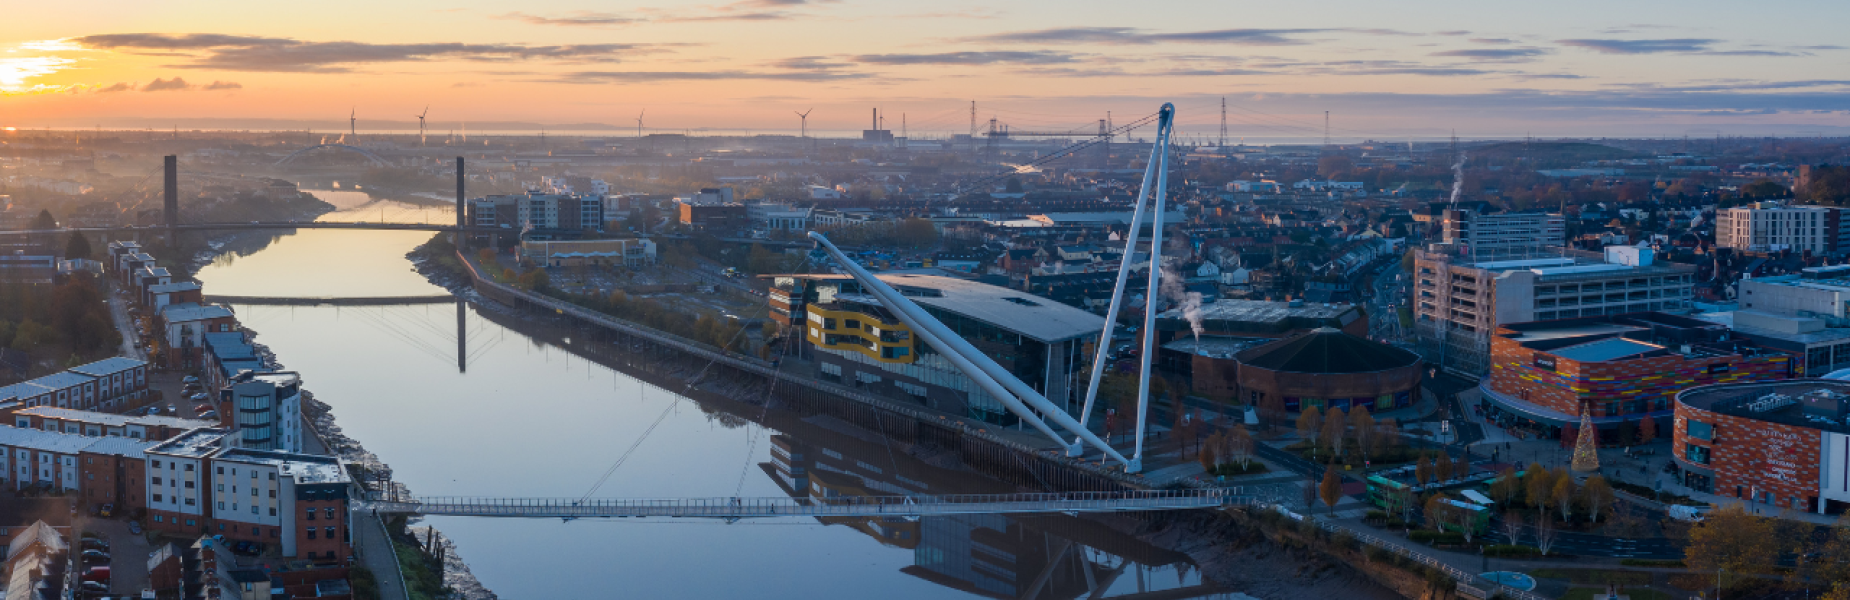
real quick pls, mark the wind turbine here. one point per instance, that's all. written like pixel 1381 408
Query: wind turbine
pixel 639 122
pixel 421 124
pixel 353 124
pixel 805 116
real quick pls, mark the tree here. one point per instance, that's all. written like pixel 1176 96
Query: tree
pixel 1435 511
pixel 1647 430
pixel 1833 561
pixel 1443 469
pixel 1422 469
pixel 1331 490
pixel 1363 424
pixel 78 247
pixel 1563 495
pixel 1512 526
pixel 1506 486
pixel 1308 425
pixel 1538 485
pixel 1598 495
pixel 1209 456
pixel 1545 533
pixel 1333 426
pixel 915 233
pixel 44 221
pixel 1732 540
pixel 1240 445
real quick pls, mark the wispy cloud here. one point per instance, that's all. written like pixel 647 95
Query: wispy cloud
pixel 1134 36
pixel 1492 41
pixel 576 19
pixel 1496 54
pixel 601 77
pixel 166 85
pixel 176 84
pixel 967 58
pixel 269 54
pixel 1612 46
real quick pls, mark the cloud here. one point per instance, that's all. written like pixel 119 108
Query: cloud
pixel 1610 46
pixel 166 85
pixel 809 63
pixel 753 16
pixel 267 54
pixel 600 77
pixel 118 87
pixel 224 85
pixel 1505 54
pixel 967 58
pixel 576 19
pixel 1821 47
pixel 1454 32
pixel 1134 36
pixel 1492 41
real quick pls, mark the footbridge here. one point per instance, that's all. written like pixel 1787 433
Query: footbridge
pixel 735 508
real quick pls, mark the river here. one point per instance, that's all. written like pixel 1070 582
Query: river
pixel 529 418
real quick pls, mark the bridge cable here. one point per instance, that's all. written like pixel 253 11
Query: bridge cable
pixel 764 412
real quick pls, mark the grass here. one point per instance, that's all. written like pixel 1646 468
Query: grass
pixel 1593 576
pixel 1636 593
pixel 422 579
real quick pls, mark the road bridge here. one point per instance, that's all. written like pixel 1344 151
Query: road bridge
pixel 330 301
pixel 844 506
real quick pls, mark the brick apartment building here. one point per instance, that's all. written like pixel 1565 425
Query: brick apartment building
pixel 100 470
pixel 1620 368
pixel 200 483
pixel 1785 444
pixel 99 424
pixel 113 384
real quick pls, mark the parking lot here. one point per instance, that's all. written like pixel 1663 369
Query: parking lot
pixel 128 553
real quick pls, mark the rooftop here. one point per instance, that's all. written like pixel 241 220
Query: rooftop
pixel 1814 403
pixel 113 420
pixel 192 444
pixel 180 313
pixel 59 381
pixel 109 366
pixel 1327 350
pixel 1608 349
pixel 1215 347
pixel 177 286
pixel 1035 317
pixel 1262 311
pixel 70 443
pixel 305 468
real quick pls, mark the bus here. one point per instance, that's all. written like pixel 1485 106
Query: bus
pixel 1479 517
pixel 1381 491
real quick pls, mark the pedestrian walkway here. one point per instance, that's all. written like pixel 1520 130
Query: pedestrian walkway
pixel 377 555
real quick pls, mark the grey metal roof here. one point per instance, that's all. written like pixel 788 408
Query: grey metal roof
pixel 1605 350
pixel 109 366
pixel 180 313
pixel 177 286
pixel 114 420
pixel 1031 316
pixel 1261 311
pixel 61 381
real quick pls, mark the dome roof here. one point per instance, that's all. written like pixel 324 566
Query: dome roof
pixel 1327 350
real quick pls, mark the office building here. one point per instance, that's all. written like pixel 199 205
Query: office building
pixel 1458 302
pixel 1772 227
pixel 1494 236
pixel 627 252
pixel 856 341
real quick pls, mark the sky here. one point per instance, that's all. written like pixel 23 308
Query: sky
pixel 1382 69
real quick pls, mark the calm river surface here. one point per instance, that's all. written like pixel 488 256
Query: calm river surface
pixel 531 419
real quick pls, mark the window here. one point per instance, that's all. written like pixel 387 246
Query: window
pixel 329 530
pixel 1700 430
pixel 330 513
pixel 157 498
pixel 189 501
pixel 189 468
pixel 311 514
pixel 1696 454
pixel 311 533
pixel 221 470
pixel 272 510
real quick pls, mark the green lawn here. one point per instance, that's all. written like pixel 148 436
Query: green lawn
pixel 1593 576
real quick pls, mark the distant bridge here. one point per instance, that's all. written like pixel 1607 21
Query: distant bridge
pixel 844 506
pixel 324 301
pixel 369 155
pixel 362 225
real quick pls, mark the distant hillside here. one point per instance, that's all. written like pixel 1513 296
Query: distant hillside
pixel 1550 152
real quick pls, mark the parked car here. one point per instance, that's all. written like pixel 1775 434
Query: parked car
pixel 190 379
pixel 210 414
pixel 97 574
pixel 96 554
pixel 1691 514
pixel 247 548
pixel 134 527
pixel 197 397
pixel 95 587
pixel 92 561
pixel 95 544
pixel 106 511
pixel 200 408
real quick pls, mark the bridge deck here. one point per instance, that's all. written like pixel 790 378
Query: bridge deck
pixel 844 506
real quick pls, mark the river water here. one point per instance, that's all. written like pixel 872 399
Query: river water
pixel 529 418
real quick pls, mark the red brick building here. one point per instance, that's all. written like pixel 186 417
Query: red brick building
pixel 1619 368
pixel 1785 444
pixel 199 484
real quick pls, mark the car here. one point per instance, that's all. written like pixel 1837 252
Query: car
pixel 197 397
pixel 95 544
pixel 95 587
pixel 96 554
pixel 210 414
pixel 106 511
pixel 247 548
pixel 190 379
pixel 97 574
pixel 93 561
pixel 134 527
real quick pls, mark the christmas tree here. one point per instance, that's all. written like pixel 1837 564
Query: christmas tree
pixel 1586 449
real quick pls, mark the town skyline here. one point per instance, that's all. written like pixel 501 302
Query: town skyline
pixel 1382 71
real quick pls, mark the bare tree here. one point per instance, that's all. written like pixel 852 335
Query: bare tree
pixel 1239 446
pixel 1545 533
pixel 1364 426
pixel 1512 525
pixel 1334 429
pixel 1598 495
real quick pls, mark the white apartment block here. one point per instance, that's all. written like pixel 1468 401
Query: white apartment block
pixel 1504 235
pixel 1458 303
pixel 1771 227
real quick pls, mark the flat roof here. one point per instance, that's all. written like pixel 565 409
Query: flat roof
pixel 305 468
pixel 178 313
pixel 59 381
pixel 1805 402
pixel 192 444
pixel 1533 335
pixel 71 443
pixel 1605 350
pixel 1263 311
pixel 1216 347
pixel 177 286
pixel 1032 316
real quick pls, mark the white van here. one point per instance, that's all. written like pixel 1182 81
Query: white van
pixel 1692 514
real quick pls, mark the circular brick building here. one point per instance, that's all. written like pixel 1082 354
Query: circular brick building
pixel 1327 367
pixel 1784 444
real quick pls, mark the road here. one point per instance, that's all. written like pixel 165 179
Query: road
pixel 131 339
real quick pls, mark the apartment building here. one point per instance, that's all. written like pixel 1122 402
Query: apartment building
pixel 202 483
pixel 1772 226
pixel 1494 236
pixel 265 409
pixel 100 424
pixel 184 327
pixel 539 215
pixel 99 470
pixel 109 384
pixel 1459 301
pixel 629 252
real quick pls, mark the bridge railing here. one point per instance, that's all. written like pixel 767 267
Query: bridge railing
pixel 733 506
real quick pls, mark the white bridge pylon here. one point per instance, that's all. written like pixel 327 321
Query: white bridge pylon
pixel 1018 397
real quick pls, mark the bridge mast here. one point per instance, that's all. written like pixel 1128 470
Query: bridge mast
pixel 462 241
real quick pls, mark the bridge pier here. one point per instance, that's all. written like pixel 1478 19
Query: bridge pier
pixel 462 339
pixel 462 240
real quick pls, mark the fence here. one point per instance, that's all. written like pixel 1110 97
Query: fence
pixel 1464 579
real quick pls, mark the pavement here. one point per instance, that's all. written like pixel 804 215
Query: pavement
pixel 375 552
